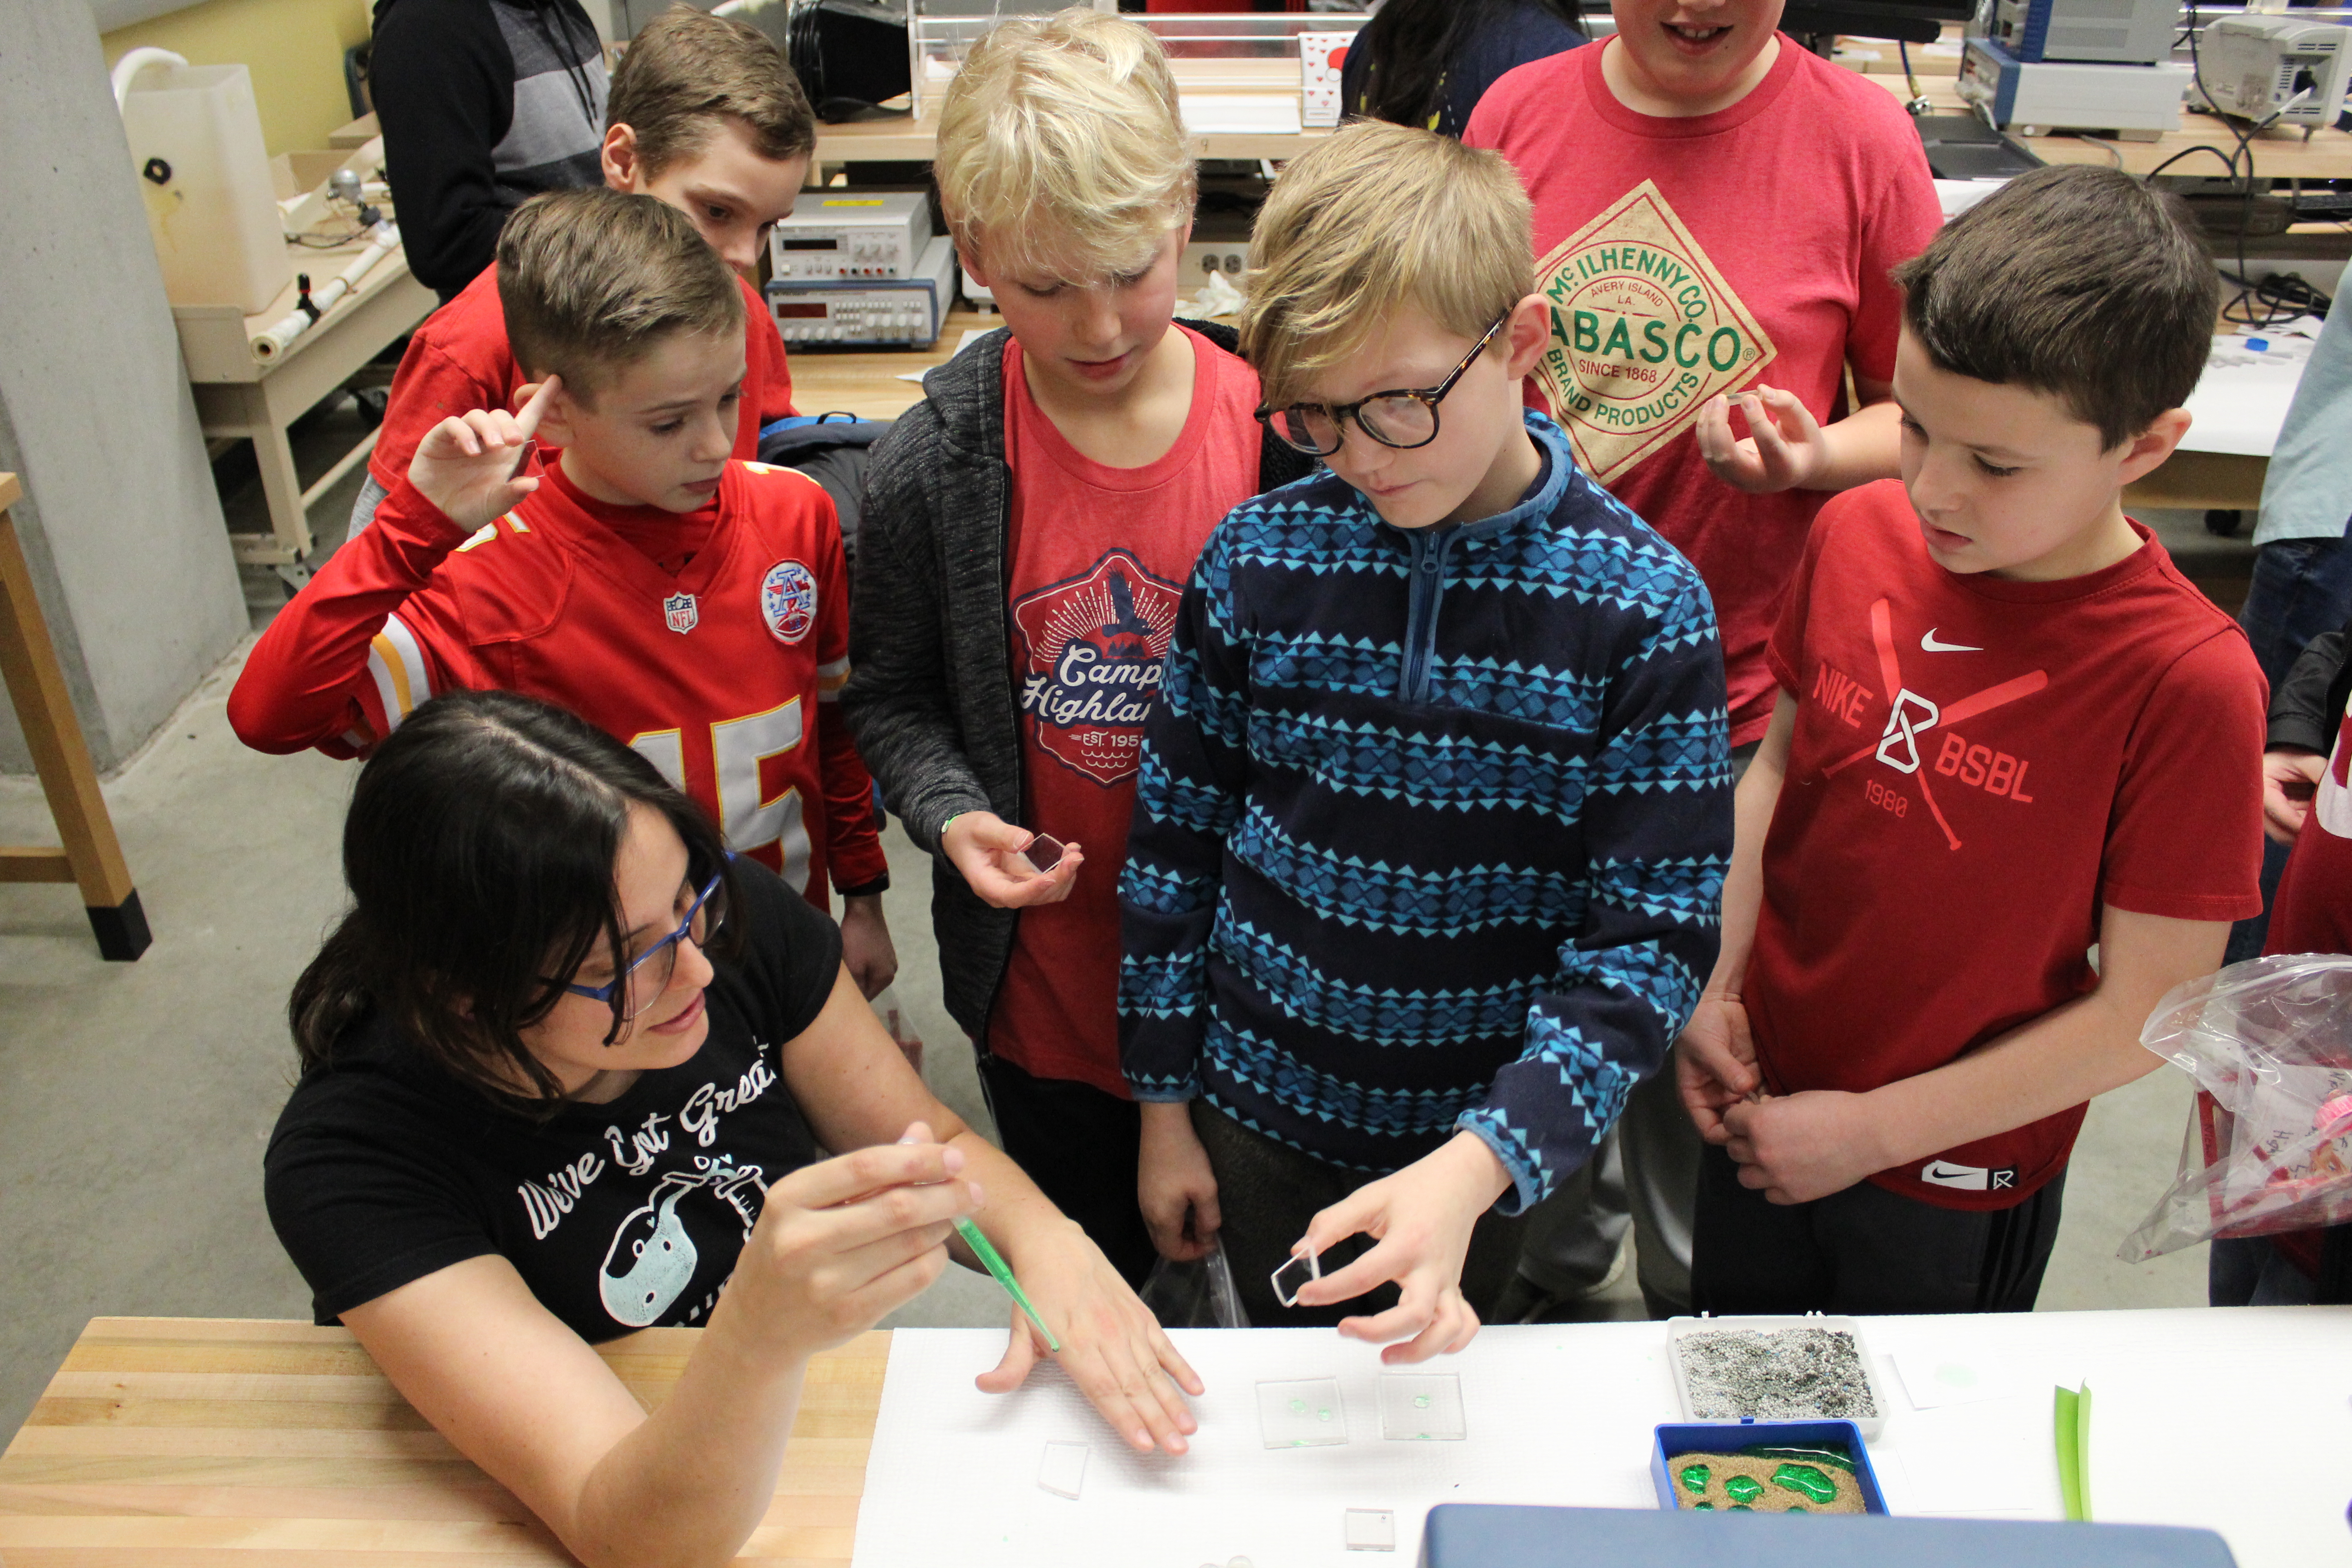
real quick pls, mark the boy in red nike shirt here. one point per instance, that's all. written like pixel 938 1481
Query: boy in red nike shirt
pixel 692 605
pixel 704 114
pixel 2007 729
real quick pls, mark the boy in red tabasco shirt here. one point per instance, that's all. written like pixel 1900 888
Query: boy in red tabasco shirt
pixel 2006 729
pixel 1716 213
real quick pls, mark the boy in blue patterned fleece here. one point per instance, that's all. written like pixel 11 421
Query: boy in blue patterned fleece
pixel 1435 809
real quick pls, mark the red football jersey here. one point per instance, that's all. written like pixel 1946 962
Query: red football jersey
pixel 724 674
pixel 1978 764
pixel 459 361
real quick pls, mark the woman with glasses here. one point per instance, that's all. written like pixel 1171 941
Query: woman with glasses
pixel 570 1069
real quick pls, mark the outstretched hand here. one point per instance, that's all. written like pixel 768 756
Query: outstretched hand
pixel 469 466
pixel 1111 1346
pixel 1783 451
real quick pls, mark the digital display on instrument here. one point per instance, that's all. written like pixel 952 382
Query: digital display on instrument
pixel 801 312
pixel 833 244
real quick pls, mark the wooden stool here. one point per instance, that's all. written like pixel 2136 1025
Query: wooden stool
pixel 92 856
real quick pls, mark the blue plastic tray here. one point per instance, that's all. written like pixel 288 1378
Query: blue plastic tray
pixel 1677 1438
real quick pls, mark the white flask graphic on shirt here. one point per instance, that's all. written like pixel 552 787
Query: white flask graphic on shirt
pixel 660 1257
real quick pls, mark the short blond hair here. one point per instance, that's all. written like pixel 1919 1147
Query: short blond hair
pixel 1374 219
pixel 1060 144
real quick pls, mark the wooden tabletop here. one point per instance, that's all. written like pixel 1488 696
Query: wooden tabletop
pixel 165 1442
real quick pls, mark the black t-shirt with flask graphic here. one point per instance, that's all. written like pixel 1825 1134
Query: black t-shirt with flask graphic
pixel 620 1217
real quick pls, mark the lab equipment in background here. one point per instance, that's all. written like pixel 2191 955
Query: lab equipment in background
pixel 853 234
pixel 203 174
pixel 1963 147
pixel 1818 23
pixel 1320 55
pixel 871 312
pixel 2135 103
pixel 267 344
pixel 2258 68
pixel 2137 33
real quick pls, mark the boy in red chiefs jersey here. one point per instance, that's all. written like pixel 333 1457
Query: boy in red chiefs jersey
pixel 692 605
pixel 704 114
pixel 2007 730
pixel 1027 532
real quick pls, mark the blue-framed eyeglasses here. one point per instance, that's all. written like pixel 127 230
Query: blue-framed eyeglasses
pixel 649 976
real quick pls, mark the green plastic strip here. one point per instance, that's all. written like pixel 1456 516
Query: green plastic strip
pixel 2070 1426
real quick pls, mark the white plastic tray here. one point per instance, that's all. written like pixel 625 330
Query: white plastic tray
pixel 1678 1328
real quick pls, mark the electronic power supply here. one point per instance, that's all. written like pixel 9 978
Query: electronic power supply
pixel 893 311
pixel 2253 68
pixel 850 234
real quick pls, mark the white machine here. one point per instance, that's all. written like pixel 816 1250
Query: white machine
pixel 852 234
pixel 2256 67
pixel 2116 32
pixel 2137 103
pixel 873 312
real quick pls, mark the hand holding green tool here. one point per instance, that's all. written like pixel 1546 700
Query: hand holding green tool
pixel 998 1269
pixel 990 1260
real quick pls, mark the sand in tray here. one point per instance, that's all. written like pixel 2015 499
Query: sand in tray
pixel 1767 1480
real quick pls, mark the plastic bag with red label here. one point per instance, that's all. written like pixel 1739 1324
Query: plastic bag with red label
pixel 2269 1145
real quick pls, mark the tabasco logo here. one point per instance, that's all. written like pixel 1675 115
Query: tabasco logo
pixel 1644 331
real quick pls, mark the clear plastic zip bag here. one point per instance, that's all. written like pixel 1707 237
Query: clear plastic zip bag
pixel 1195 1295
pixel 2269 1143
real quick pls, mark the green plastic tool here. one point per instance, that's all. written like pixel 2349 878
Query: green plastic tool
pixel 2071 1423
pixel 995 1263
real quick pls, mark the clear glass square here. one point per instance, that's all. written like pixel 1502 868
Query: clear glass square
pixel 1370 1530
pixel 1304 1414
pixel 1422 1407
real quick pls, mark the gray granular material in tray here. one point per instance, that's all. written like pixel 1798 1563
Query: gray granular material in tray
pixel 1777 1374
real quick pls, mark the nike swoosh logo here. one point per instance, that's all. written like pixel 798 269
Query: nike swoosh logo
pixel 1929 644
pixel 1939 1171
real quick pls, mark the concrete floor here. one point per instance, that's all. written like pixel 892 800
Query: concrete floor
pixel 135 1099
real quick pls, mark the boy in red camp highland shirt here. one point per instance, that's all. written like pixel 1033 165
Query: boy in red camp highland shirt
pixel 693 605
pixel 2007 730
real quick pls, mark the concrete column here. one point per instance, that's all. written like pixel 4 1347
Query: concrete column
pixel 120 518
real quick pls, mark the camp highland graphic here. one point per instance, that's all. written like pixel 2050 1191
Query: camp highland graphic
pixel 1644 331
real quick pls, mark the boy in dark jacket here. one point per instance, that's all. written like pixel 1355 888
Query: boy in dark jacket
pixel 1027 532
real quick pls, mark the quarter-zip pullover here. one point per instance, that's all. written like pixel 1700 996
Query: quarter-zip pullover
pixel 1431 828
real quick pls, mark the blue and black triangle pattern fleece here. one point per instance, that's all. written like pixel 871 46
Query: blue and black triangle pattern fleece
pixel 1431 828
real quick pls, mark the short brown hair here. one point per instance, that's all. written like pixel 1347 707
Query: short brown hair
pixel 1371 220
pixel 2080 282
pixel 686 71
pixel 592 279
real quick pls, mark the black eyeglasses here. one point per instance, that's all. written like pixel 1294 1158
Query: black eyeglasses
pixel 649 976
pixel 1401 418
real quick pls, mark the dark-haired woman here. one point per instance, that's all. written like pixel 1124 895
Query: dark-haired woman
pixel 568 1071
pixel 1426 63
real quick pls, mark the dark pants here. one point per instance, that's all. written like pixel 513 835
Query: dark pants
pixel 1266 1192
pixel 1864 1250
pixel 1082 1148
pixel 2301 588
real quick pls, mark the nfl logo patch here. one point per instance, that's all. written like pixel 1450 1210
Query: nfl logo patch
pixel 679 610
pixel 788 601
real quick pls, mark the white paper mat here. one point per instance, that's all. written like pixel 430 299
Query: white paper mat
pixel 2234 1420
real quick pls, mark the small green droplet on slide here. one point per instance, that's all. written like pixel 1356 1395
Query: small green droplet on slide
pixel 1323 1415
pixel 1421 1401
pixel 1298 1407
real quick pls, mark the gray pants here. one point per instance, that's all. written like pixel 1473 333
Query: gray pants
pixel 1645 1172
pixel 1266 1192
